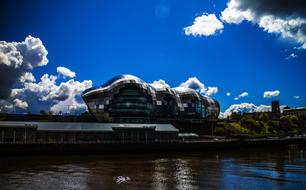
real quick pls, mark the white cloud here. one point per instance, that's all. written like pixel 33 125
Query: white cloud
pixel 211 90
pixel 17 59
pixel 296 97
pixel 72 90
pixel 286 18
pixel 204 25
pixel 45 87
pixel 9 55
pixel 65 72
pixel 232 14
pixel 27 77
pixel 270 94
pixel 284 27
pixel 160 84
pixel 33 51
pixel 243 94
pixel 244 108
pixel 193 83
pixel 47 95
pixel 20 104
pixel 291 56
pixel 228 94
pixel 197 85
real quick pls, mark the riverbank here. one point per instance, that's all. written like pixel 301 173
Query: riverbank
pixel 147 147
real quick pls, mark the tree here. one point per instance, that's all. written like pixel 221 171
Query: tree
pixel 42 112
pixel 263 117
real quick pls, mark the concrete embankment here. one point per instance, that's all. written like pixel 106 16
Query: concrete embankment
pixel 117 147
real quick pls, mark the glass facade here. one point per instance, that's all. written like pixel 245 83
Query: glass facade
pixel 166 102
pixel 127 98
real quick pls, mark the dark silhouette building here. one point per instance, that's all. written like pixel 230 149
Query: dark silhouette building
pixel 275 107
pixel 299 112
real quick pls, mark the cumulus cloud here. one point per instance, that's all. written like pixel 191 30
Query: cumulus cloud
pixel 270 94
pixel 72 91
pixel 65 72
pixel 47 95
pixel 204 25
pixel 247 108
pixel 20 104
pixel 193 83
pixel 228 94
pixel 27 77
pixel 160 84
pixel 17 59
pixel 244 108
pixel 211 90
pixel 19 90
pixel 232 14
pixel 286 18
pixel 243 94
pixel 197 85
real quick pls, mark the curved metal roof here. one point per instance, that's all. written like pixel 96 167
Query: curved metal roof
pixel 157 87
pixel 121 78
pixel 184 90
pixel 162 88
pixel 113 81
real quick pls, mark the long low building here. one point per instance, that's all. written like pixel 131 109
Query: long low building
pixel 76 132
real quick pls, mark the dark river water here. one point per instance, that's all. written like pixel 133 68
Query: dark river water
pixel 235 169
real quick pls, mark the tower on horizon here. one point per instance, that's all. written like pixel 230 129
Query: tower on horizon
pixel 275 106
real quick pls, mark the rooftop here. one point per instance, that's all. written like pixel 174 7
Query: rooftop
pixel 78 126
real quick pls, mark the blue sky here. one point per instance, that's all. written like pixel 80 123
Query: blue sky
pixel 101 39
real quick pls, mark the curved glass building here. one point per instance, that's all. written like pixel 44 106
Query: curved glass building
pixel 127 98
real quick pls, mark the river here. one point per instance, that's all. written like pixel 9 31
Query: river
pixel 283 168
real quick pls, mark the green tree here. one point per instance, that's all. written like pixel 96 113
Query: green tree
pixel 263 117
pixel 291 125
pixel 42 112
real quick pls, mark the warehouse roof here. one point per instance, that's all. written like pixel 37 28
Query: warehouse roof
pixel 79 126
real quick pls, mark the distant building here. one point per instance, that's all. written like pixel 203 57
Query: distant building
pixel 275 113
pixel 300 112
pixel 275 107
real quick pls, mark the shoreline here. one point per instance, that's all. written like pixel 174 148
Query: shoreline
pixel 149 147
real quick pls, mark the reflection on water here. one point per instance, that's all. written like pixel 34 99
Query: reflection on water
pixel 253 169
